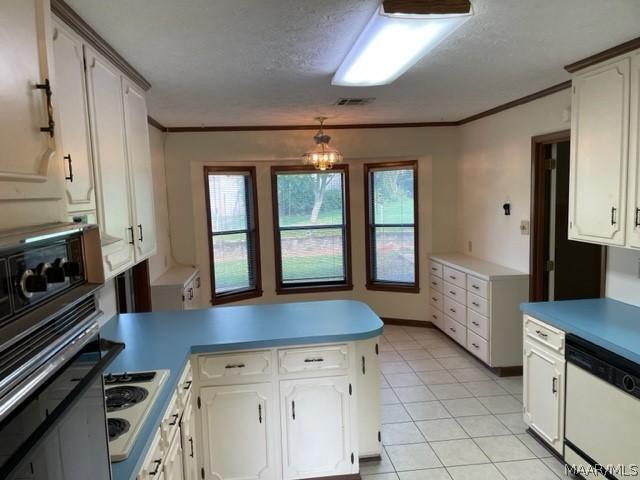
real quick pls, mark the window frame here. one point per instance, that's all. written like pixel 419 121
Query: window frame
pixel 253 234
pixel 347 284
pixel 372 283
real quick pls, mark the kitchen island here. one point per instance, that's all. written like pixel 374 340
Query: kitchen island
pixel 169 340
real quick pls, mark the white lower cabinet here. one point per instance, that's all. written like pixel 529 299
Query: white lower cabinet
pixel 368 387
pixel 189 451
pixel 237 430
pixel 316 416
pixel 543 393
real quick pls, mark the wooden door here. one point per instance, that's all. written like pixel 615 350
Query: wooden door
pixel 28 166
pixel 633 217
pixel 139 157
pixel 237 432
pixel 543 397
pixel 113 200
pixel 74 139
pixel 599 154
pixel 316 437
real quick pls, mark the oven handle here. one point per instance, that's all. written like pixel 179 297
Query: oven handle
pixel 52 420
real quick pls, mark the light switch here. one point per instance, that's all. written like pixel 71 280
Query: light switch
pixel 524 227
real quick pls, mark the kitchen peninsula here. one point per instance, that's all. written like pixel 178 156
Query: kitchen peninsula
pixel 284 360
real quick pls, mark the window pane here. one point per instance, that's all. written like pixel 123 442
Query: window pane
pixel 312 255
pixel 228 197
pixel 394 256
pixel 393 196
pixel 310 199
pixel 231 256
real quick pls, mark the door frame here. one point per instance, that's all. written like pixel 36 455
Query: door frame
pixel 538 244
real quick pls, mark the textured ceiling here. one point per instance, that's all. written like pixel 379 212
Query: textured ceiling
pixel 270 62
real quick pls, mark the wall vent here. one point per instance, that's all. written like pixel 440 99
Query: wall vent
pixel 354 102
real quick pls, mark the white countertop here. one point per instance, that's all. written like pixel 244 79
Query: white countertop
pixel 476 266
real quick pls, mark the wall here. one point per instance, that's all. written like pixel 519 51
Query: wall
pixel 623 270
pixel 435 149
pixel 162 260
pixel 495 166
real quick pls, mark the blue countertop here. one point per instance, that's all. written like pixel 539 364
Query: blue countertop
pixel 608 323
pixel 165 340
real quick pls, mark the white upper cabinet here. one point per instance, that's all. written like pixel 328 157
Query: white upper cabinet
pixel 599 153
pixel 74 142
pixel 139 155
pixel 633 208
pixel 28 167
pixel 104 89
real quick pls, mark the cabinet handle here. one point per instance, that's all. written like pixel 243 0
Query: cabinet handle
pixel 259 413
pixel 475 345
pixel 434 269
pixel 293 409
pixel 157 464
pixel 175 417
pixel 453 277
pixel 198 282
pixel 191 445
pixel 187 385
pixel 554 385
pixel 452 329
pixel 475 323
pixel 131 231
pixel 475 287
pixel 46 86
pixel 475 304
pixel 434 283
pixel 452 292
pixel 190 293
pixel 364 366
pixel 70 176
pixel 235 365
pixel 453 310
pixel 434 316
pixel 140 229
pixel 613 215
pixel 541 334
pixel 434 299
pixel 313 360
pixel 637 222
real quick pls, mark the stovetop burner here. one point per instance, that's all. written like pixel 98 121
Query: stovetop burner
pixel 136 377
pixel 117 427
pixel 119 398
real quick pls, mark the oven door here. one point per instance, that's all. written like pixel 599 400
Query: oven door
pixel 60 431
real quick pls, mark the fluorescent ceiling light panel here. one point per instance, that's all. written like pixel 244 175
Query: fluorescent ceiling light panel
pixel 391 44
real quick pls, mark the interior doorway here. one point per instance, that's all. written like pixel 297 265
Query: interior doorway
pixel 561 269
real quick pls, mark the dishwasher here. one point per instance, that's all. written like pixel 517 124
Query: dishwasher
pixel 602 422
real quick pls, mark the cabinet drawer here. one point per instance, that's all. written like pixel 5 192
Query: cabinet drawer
pixel 435 268
pixel 478 286
pixel 454 276
pixel 544 334
pixel 293 360
pixel 478 304
pixel 455 330
pixel 171 421
pixel 234 367
pixel 184 384
pixel 436 283
pixel 437 318
pixel 459 294
pixel 455 310
pixel 478 346
pixel 478 323
pixel 152 464
pixel 435 298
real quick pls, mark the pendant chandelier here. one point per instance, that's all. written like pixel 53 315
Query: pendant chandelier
pixel 322 156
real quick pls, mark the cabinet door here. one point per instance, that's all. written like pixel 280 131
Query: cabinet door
pixel 599 154
pixel 189 452
pixel 139 157
pixel 633 209
pixel 173 469
pixel 544 394
pixel 237 432
pixel 106 111
pixel 368 386
pixel 316 424
pixel 28 168
pixel 74 142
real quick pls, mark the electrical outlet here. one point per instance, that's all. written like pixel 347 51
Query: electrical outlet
pixel 524 227
pixel 470 246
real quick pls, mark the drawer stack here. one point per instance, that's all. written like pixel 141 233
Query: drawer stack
pixel 463 301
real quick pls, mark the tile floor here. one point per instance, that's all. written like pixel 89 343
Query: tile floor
pixel 447 417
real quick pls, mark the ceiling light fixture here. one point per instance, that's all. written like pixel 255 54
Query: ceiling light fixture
pixel 391 43
pixel 322 156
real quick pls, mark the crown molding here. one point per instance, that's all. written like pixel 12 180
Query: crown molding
pixel 604 55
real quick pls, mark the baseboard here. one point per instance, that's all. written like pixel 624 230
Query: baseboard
pixel 350 476
pixel 407 323
pixel 370 458
pixel 545 444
